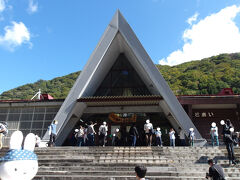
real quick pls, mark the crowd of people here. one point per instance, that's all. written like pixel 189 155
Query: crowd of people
pixel 90 136
pixel 86 136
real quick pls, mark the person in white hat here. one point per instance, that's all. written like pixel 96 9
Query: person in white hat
pixel 116 136
pixel 148 128
pixel 214 134
pixel 191 136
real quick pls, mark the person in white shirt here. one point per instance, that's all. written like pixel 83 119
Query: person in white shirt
pixel 172 137
pixel 3 132
pixel 90 134
pixel 103 129
pixel 80 136
pixel 191 136
pixel 158 135
pixel 148 128
pixel 182 137
pixel 214 134
pixel 38 141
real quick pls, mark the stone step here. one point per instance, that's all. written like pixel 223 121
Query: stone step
pixel 119 173
pixel 112 168
pixel 130 168
pixel 51 177
pixel 77 177
pixel 130 172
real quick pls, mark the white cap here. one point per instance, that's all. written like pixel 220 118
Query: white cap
pixel 232 129
pixel 117 130
pixel 222 122
pixel 213 124
pixel 191 129
pixel 76 130
pixel 104 123
pixel 147 121
pixel 158 128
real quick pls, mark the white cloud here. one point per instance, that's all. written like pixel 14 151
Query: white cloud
pixel 193 18
pixel 32 6
pixel 213 35
pixel 2 5
pixel 15 35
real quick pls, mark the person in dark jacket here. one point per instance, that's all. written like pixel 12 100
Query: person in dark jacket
pixel 215 171
pixel 133 134
pixel 228 139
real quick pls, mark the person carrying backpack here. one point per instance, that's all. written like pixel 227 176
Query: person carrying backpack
pixel 103 129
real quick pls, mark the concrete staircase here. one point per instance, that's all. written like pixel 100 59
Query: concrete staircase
pixel 115 163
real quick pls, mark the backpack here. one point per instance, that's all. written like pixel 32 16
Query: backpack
pixel 220 175
pixel 90 130
pixel 103 131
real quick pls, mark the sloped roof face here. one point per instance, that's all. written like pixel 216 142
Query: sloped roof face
pixel 119 38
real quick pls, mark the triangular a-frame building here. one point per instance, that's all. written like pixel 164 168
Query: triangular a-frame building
pixel 119 42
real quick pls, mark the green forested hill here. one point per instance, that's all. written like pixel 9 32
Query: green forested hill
pixel 207 76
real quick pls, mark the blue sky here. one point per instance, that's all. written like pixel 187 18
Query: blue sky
pixel 43 39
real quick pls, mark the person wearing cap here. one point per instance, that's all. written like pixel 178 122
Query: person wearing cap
pixel 148 128
pixel 214 134
pixel 158 135
pixel 103 129
pixel 191 136
pixel 228 140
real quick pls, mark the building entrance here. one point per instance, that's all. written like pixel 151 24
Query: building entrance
pixel 123 122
